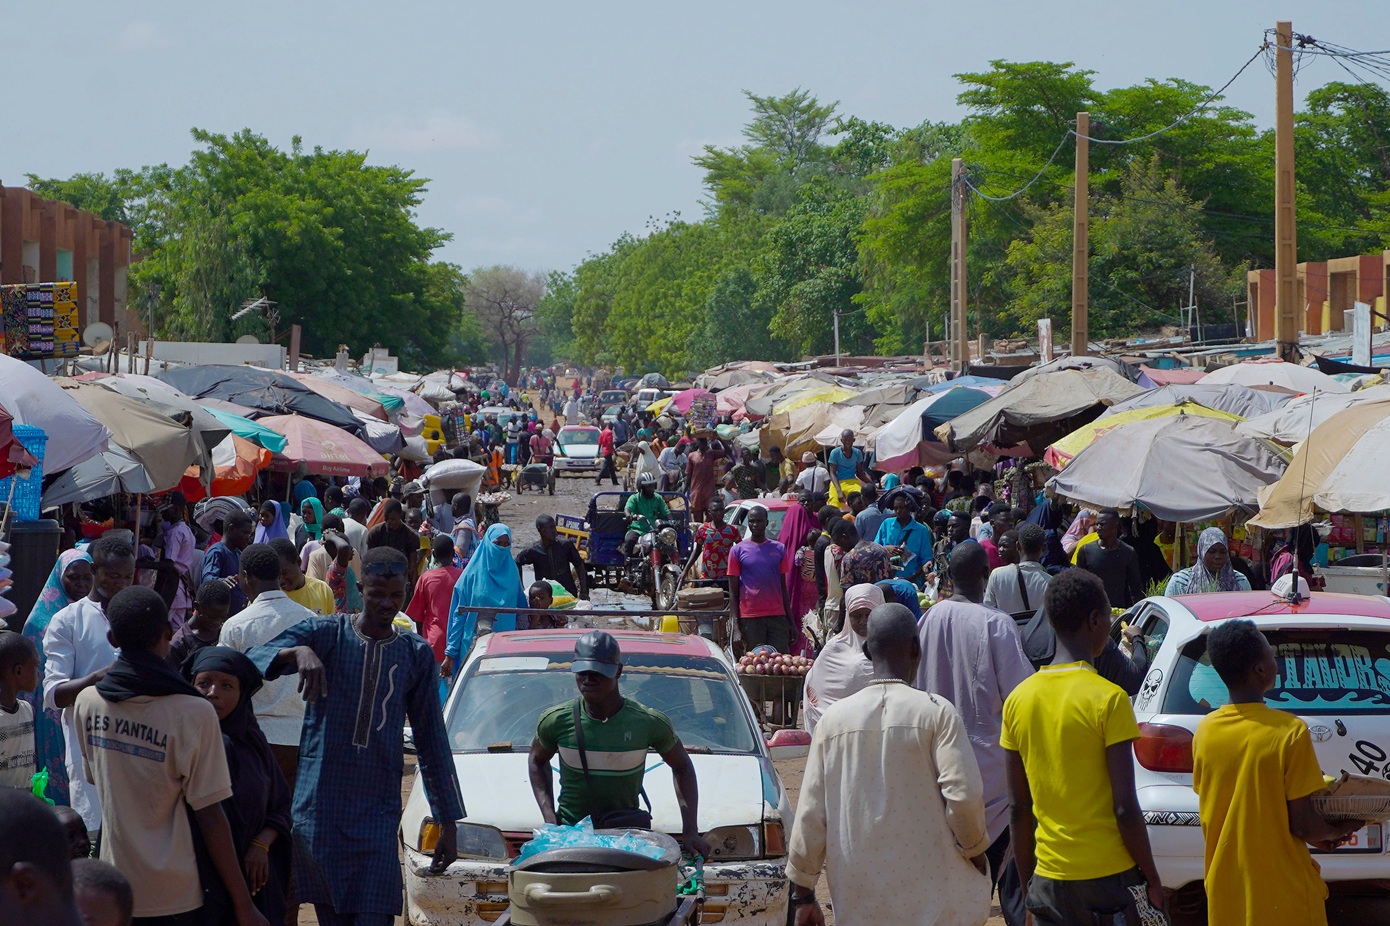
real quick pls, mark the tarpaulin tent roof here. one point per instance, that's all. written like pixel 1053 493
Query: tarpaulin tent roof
pixel 269 391
pixel 908 439
pixel 652 381
pixel 349 398
pixel 988 383
pixel 773 399
pixel 1177 376
pixel 738 373
pixel 250 430
pixel 1340 467
pixel 1275 373
pixel 1063 451
pixel 1038 410
pixel 235 462
pixel 1296 419
pixel 31 398
pixel 1182 468
pixel 795 430
pixel 323 449
pixel 168 401
pixel 389 397
pixel 679 403
pixel 163 446
pixel 381 436
pixel 1226 397
pixel 1113 364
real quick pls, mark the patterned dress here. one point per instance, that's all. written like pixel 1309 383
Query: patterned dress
pixel 347 801
pixel 715 544
pixel 867 563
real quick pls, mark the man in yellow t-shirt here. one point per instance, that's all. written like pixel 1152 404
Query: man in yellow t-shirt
pixel 303 590
pixel 1254 770
pixel 1079 837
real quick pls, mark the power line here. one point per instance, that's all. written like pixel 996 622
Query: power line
pixel 1024 189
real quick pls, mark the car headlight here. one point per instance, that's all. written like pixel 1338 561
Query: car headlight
pixel 667 537
pixel 474 840
pixel 746 843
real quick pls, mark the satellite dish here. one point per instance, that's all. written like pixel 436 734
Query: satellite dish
pixel 248 339
pixel 98 336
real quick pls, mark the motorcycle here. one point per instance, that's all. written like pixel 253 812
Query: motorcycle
pixel 652 566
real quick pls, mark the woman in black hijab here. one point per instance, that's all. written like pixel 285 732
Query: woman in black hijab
pixel 259 808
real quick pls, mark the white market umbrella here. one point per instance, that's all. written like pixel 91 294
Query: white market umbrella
pixel 1302 415
pixel 1182 468
pixel 31 398
pixel 1275 373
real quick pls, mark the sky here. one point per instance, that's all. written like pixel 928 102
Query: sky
pixel 548 129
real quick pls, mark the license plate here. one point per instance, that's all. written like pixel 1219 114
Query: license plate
pixel 1366 839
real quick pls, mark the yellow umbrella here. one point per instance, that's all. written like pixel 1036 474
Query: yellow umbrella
pixel 827 394
pixel 1317 478
pixel 1061 453
pixel 659 405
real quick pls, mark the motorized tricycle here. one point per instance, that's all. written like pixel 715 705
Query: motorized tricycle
pixel 652 566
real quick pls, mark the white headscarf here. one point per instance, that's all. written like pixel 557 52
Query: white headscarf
pixel 841 669
pixel 646 460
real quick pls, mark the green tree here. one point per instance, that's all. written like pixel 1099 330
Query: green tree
pixel 503 300
pixel 736 323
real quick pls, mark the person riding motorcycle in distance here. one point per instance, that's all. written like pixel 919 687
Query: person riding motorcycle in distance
pixel 644 509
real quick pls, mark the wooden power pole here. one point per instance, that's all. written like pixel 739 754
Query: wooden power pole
pixel 1080 240
pixel 960 334
pixel 1285 220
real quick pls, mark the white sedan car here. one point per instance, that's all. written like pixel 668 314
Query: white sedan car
pixel 576 450
pixel 508 681
pixel 1334 663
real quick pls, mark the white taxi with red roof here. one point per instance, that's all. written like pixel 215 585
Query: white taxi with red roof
pixel 1333 653
pixel 508 681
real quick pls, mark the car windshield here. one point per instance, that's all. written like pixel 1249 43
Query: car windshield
pixel 775 517
pixel 1332 671
pixel 578 436
pixel 503 697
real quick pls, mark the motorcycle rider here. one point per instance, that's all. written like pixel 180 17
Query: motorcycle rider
pixel 644 509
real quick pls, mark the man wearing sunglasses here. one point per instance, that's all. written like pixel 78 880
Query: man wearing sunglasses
pixel 361 680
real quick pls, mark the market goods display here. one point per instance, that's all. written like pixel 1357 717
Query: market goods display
pixel 778 664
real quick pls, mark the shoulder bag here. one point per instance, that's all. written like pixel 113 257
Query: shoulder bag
pixel 622 818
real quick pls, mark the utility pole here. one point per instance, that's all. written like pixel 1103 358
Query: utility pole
pixel 836 313
pixel 1285 220
pixel 959 327
pixel 1080 240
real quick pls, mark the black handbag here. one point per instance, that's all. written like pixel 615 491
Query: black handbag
pixel 622 818
pixel 1035 634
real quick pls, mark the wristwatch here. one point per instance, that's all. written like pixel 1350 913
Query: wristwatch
pixel 803 899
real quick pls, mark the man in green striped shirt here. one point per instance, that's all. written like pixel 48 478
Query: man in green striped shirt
pixel 617 734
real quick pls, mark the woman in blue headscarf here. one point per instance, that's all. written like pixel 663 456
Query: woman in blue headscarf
pixel 70 580
pixel 491 580
pixel 271 522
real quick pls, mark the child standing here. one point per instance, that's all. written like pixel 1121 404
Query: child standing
pixel 19 672
pixel 803 592
pixel 202 629
pixel 1254 771
pixel 1078 835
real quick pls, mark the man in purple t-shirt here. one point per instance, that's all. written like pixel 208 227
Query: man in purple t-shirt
pixel 758 596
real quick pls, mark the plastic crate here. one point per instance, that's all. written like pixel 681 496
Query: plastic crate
pixel 27 492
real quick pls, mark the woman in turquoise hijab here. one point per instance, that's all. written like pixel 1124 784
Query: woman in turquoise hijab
pixel 491 580
pixel 70 580
pixel 311 512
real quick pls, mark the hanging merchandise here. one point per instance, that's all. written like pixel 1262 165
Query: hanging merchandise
pixel 39 320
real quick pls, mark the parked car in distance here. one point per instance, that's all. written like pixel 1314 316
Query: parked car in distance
pixel 777 508
pixel 576 450
pixel 1333 652
pixel 613 397
pixel 508 681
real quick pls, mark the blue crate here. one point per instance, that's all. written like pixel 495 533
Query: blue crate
pixel 28 491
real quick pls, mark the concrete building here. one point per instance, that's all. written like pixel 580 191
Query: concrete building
pixel 1326 290
pixel 47 241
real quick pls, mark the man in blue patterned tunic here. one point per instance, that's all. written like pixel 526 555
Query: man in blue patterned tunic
pixel 361 679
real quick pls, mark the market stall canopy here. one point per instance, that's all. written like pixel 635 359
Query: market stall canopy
pixel 323 449
pixel 898 393
pixel 1302 415
pixel 268 391
pixel 163 446
pixel 349 398
pixel 110 472
pixel 1113 364
pixel 31 398
pixel 988 383
pixel 235 462
pixel 652 381
pixel 765 403
pixel 1225 397
pixel 253 431
pixel 381 436
pixel 1269 372
pixel 732 401
pixel 166 400
pixel 738 373
pixel 1182 468
pixel 1177 376
pixel 1062 452
pixel 1038 410
pixel 1340 467
pixel 389 396
pixel 909 440
pixel 795 430
pixel 679 403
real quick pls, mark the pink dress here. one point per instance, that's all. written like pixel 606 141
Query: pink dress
pixel 180 547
